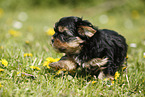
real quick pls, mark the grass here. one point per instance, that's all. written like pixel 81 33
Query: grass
pixel 19 80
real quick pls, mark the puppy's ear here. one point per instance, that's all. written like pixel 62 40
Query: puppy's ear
pixel 86 31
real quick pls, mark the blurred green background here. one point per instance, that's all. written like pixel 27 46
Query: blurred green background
pixel 35 17
pixel 125 16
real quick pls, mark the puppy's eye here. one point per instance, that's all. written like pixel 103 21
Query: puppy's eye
pixel 62 29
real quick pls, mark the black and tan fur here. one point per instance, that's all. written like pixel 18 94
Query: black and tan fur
pixel 99 52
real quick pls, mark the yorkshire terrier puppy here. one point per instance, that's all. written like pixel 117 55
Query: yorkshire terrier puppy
pixel 98 52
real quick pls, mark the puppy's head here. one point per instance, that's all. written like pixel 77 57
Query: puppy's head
pixel 71 33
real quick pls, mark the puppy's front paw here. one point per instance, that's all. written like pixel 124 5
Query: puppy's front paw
pixel 63 64
pixel 55 65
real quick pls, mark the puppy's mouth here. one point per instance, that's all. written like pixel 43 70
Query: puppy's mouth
pixel 71 47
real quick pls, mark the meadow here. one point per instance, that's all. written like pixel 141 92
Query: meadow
pixel 26 51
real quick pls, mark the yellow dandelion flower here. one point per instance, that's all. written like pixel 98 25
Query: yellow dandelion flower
pixel 18 72
pixel 117 74
pixel 14 33
pixel 4 62
pixel 58 72
pixel 1 69
pixel 27 42
pixel 144 54
pixel 35 67
pixel 1 12
pixel 46 63
pixel 124 68
pixel 127 57
pixel 112 82
pixel 94 82
pixel 1 85
pixel 50 59
pixel 28 55
pixel 56 60
pixel 50 32
pixel 1 47
pixel 48 66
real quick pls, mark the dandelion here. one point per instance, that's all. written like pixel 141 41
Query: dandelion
pixel 28 55
pixel 117 74
pixel 48 66
pixel 4 62
pixel 1 47
pixel 50 32
pixel 35 67
pixel 124 68
pixel 1 12
pixel 50 59
pixel 46 63
pixel 1 85
pixel 18 72
pixel 127 57
pixel 14 33
pixel 112 82
pixel 144 54
pixel 94 82
pixel 60 71
pixel 17 24
pixel 1 69
pixel 27 42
